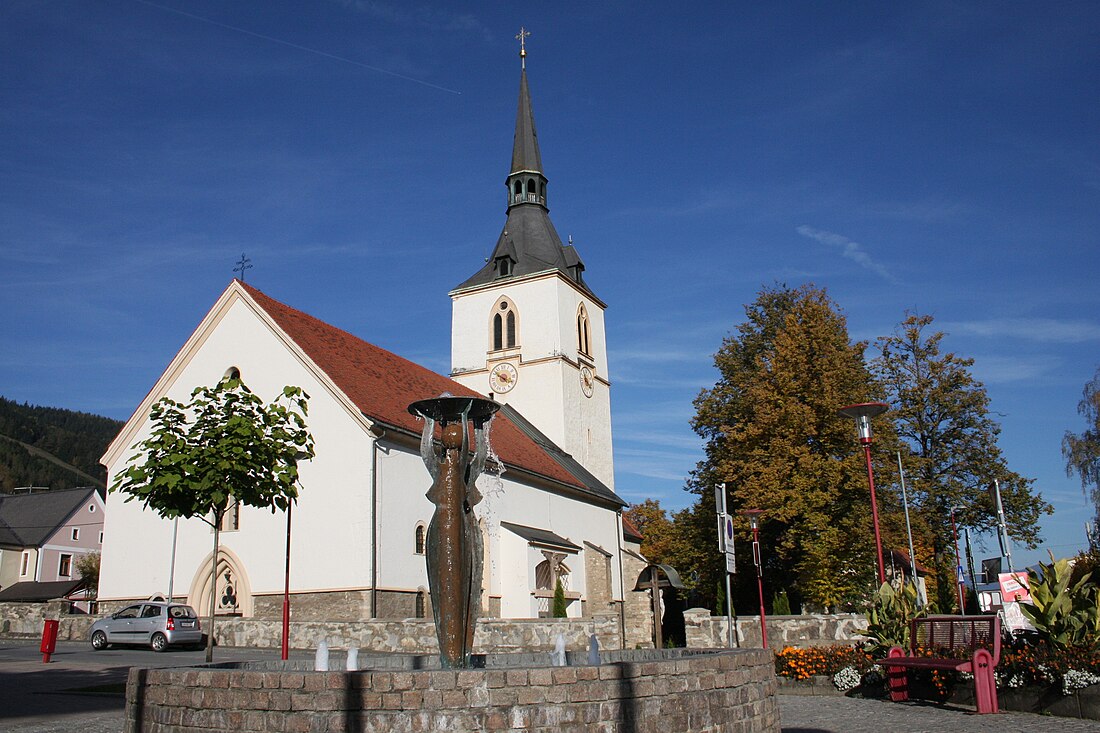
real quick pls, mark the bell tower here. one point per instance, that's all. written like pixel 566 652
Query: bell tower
pixel 526 328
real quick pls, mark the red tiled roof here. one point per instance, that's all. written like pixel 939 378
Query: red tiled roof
pixel 630 530
pixel 382 384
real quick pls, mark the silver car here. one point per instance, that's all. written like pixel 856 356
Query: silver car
pixel 153 623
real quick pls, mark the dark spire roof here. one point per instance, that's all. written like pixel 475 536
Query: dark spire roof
pixel 525 146
pixel 529 243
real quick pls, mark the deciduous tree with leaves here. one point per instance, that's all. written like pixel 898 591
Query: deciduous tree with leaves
pixel 774 437
pixel 1082 451
pixel 942 413
pixel 223 447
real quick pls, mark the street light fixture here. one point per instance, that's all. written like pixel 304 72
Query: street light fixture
pixel 862 414
pixel 754 521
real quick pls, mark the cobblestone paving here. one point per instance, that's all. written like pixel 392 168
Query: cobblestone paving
pixel 805 714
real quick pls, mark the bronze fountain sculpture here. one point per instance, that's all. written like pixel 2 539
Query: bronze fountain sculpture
pixel 454 549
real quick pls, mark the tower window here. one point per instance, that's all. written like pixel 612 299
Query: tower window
pixel 421 604
pixel 505 326
pixel 419 540
pixel 518 191
pixel 584 336
pixel 532 190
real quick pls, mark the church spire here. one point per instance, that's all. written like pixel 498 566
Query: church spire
pixel 526 182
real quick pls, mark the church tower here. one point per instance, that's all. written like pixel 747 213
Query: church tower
pixel 526 327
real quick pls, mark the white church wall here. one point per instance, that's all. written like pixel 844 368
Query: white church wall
pixel 137 543
pixel 403 482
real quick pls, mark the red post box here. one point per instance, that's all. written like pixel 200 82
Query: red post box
pixel 49 638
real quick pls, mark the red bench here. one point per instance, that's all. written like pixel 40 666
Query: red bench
pixel 961 643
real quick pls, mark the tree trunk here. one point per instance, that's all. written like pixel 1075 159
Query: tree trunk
pixel 213 591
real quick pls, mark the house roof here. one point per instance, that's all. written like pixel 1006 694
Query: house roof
pixel 28 520
pixel 630 531
pixel 901 559
pixel 382 384
pixel 31 591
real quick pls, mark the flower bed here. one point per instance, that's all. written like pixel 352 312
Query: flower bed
pixel 1030 677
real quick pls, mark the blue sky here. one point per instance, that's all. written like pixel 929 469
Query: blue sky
pixel 941 158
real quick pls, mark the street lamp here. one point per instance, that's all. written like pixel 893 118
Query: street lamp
pixel 958 561
pixel 754 520
pixel 862 414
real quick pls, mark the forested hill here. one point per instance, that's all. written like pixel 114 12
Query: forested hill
pixel 51 447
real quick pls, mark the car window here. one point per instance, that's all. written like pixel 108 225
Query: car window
pixel 129 612
pixel 150 612
pixel 181 612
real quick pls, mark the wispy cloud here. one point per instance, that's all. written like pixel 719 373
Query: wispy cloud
pixel 1004 369
pixel 852 250
pixel 1044 330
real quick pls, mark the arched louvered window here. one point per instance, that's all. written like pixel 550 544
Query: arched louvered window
pixel 584 335
pixel 505 326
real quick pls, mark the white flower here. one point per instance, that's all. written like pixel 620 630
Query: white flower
pixel 1075 679
pixel 846 679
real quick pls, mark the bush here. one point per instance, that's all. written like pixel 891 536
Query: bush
pixel 780 605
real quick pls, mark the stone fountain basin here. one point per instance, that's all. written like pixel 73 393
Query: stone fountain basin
pixel 634 691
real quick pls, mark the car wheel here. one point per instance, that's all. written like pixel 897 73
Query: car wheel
pixel 99 641
pixel 160 642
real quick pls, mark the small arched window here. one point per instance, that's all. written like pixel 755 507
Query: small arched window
pixel 519 190
pixel 505 326
pixel 532 189
pixel 584 335
pixel 232 373
pixel 421 604
pixel 420 539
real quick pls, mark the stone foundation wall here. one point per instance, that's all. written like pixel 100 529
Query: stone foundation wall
pixel 671 690
pixel 417 636
pixel 340 605
pixel 704 630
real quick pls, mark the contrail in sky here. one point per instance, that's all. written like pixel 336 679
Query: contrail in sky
pixel 295 45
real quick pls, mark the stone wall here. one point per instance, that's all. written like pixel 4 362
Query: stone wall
pixel 417 636
pixel 705 631
pixel 339 605
pixel 640 691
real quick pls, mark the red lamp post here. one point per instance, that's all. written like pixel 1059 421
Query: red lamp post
pixel 754 521
pixel 862 414
pixel 286 592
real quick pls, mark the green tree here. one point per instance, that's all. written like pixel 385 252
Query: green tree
pixel 88 567
pixel 560 608
pixel 942 413
pixel 774 437
pixel 1082 452
pixel 223 447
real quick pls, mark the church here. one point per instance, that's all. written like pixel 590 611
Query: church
pixel 527 331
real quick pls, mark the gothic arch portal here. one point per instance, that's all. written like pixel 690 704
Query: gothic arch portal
pixel 234 592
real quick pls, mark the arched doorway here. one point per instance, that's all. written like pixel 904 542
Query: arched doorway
pixel 233 591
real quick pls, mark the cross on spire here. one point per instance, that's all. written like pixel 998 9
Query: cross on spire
pixel 244 264
pixel 522 37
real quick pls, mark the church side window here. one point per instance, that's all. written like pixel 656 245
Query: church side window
pixel 584 336
pixel 231 519
pixel 419 539
pixel 505 328
pixel 421 604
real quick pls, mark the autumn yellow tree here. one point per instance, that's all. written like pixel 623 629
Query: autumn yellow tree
pixel 774 437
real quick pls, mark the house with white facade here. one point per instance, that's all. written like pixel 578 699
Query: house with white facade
pixel 527 330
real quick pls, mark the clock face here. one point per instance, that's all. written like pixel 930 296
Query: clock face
pixel 587 380
pixel 502 378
